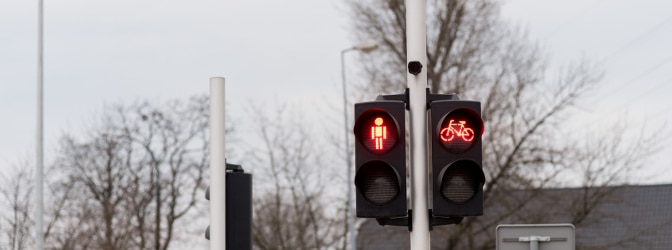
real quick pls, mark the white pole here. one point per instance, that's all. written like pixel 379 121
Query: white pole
pixel 217 165
pixel 39 173
pixel 416 47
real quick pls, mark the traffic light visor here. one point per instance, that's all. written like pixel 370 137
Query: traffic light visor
pixel 377 182
pixel 377 131
pixel 459 130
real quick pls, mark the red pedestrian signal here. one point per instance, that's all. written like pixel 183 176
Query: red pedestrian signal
pixel 377 131
pixel 380 159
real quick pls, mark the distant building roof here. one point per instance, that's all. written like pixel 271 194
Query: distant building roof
pixel 631 217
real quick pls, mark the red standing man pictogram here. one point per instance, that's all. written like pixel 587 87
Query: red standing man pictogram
pixel 379 133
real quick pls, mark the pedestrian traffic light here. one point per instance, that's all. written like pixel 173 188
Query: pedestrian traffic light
pixel 456 158
pixel 380 159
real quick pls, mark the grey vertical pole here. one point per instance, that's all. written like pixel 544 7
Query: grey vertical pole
pixel 416 77
pixel 217 165
pixel 39 173
pixel 534 244
pixel 348 155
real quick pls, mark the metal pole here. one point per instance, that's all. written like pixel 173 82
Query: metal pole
pixel 217 165
pixel 534 244
pixel 39 173
pixel 157 201
pixel 351 205
pixel 416 48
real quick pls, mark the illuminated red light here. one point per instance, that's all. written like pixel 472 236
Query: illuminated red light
pixel 459 130
pixel 377 132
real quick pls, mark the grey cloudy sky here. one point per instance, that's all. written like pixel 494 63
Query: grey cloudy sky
pixel 106 52
pixel 630 40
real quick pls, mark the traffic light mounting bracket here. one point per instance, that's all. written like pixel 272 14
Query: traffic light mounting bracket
pixel 440 221
pixel 408 221
pixel 430 97
pixel 440 97
pixel 236 168
pixel 398 97
pixel 400 221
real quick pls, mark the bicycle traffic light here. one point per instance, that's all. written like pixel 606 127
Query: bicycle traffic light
pixel 456 158
pixel 380 159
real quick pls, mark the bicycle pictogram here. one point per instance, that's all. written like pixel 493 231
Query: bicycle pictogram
pixel 457 129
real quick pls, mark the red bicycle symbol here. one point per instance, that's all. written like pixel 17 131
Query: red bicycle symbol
pixel 453 129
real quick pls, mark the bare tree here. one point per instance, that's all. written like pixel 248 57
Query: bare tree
pixel 16 188
pixel 133 175
pixel 292 209
pixel 472 52
pixel 174 141
pixel 16 221
pixel 99 169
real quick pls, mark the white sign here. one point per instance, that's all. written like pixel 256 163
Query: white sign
pixel 536 237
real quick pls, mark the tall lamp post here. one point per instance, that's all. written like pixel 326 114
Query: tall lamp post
pixel 39 161
pixel 363 47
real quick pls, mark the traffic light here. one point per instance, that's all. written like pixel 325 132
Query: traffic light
pixel 456 158
pixel 238 208
pixel 380 159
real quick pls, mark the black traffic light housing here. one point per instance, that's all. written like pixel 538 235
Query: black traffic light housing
pixel 455 159
pixel 238 208
pixel 455 129
pixel 380 159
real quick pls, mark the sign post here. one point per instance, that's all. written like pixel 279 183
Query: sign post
pixel 536 237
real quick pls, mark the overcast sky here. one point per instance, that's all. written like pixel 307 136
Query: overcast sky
pixel 106 52
pixel 630 41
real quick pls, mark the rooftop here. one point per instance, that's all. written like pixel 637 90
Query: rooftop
pixel 622 217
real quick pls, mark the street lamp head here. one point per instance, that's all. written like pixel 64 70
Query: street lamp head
pixel 367 46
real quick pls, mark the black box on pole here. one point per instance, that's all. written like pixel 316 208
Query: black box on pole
pixel 238 208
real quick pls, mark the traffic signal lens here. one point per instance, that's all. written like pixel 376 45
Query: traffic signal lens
pixel 460 181
pixel 377 131
pixel 459 130
pixel 377 182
